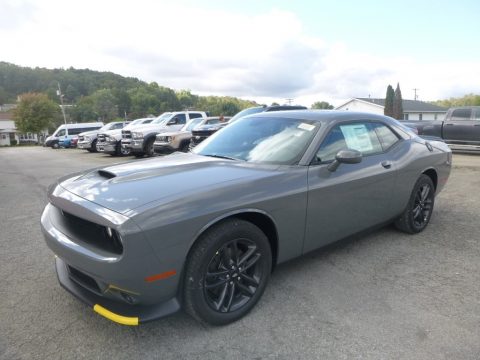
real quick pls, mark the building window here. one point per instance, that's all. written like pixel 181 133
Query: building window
pixel 405 116
pixel 4 137
pixel 420 116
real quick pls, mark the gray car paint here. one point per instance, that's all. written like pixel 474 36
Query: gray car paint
pixel 161 206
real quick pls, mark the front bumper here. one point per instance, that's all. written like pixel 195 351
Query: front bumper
pixel 133 283
pixel 85 145
pixel 136 145
pixel 163 147
pixel 118 312
pixel 106 148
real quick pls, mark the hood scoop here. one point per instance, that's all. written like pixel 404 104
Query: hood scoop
pixel 106 174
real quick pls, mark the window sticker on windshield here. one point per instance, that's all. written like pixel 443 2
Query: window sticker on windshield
pixel 356 137
pixel 305 126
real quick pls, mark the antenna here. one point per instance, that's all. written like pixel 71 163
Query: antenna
pixel 415 96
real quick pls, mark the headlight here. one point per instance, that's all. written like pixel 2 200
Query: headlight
pixel 137 135
pixel 110 139
pixel 86 138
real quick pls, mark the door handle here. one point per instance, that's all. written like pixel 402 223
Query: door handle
pixel 386 164
pixel 449 124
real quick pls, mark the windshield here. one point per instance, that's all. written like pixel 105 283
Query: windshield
pixel 261 140
pixel 246 112
pixel 162 118
pixel 190 125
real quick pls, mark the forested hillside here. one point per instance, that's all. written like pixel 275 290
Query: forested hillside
pixel 105 95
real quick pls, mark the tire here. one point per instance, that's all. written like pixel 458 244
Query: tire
pixel 419 209
pixel 123 151
pixel 139 155
pixel 149 151
pixel 229 292
pixel 55 145
pixel 94 146
pixel 185 146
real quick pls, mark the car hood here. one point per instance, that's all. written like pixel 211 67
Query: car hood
pixel 125 187
pixel 116 132
pixel 173 133
pixel 87 133
pixel 209 127
pixel 147 128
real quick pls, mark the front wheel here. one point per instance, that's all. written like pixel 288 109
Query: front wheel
pixel 227 271
pixel 419 209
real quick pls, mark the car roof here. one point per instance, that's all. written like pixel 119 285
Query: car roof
pixel 322 115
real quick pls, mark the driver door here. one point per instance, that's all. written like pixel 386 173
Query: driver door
pixel 355 196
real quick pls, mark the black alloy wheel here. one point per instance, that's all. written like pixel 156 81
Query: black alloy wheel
pixel 233 275
pixel 419 209
pixel 226 272
pixel 422 206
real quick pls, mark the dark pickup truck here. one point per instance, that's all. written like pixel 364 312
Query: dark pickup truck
pixel 460 128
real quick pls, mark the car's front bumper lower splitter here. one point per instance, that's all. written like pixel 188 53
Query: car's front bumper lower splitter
pixel 124 314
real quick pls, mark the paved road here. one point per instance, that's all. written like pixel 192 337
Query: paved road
pixel 382 296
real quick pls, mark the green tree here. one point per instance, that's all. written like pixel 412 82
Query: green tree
pixel 34 113
pixel 104 105
pixel 83 111
pixel 466 100
pixel 323 105
pixel 398 104
pixel 389 100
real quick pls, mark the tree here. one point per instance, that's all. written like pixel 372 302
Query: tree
pixel 104 104
pixel 389 100
pixel 322 105
pixel 34 113
pixel 398 104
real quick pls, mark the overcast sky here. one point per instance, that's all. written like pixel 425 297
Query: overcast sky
pixel 260 50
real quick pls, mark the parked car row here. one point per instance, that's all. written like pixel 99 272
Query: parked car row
pixel 169 132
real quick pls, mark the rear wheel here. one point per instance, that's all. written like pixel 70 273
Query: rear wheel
pixel 419 209
pixel 227 271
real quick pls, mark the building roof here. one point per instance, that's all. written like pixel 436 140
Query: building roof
pixel 6 116
pixel 409 105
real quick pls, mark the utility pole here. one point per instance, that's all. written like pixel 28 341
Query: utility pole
pixel 60 95
pixel 415 97
pixel 289 101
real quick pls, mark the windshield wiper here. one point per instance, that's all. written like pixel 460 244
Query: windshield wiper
pixel 221 156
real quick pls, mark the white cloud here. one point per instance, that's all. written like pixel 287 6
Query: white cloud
pixel 267 57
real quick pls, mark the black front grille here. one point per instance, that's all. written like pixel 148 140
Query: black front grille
pixel 95 235
pixel 81 138
pixel 126 134
pixel 101 138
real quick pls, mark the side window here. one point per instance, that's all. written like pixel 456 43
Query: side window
pixel 76 131
pixel 182 119
pixel 61 133
pixel 118 125
pixel 387 137
pixel 461 114
pixel 194 115
pixel 357 136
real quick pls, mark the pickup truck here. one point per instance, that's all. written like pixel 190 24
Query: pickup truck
pixel 460 128
pixel 140 140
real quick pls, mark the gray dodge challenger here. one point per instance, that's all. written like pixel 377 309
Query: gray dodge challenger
pixel 202 231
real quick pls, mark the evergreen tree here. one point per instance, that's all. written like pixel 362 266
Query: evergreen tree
pixel 389 100
pixel 398 104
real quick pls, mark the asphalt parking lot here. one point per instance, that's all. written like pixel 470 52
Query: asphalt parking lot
pixel 385 295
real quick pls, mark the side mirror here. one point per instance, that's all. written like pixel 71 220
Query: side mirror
pixel 174 121
pixel 348 156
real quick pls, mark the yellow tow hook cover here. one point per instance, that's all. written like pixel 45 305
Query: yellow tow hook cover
pixel 124 320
